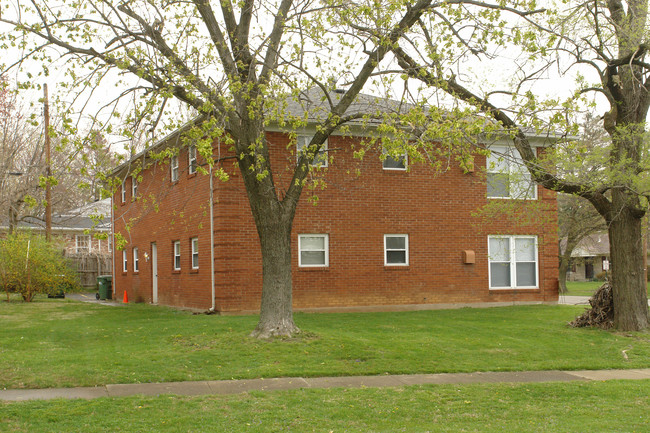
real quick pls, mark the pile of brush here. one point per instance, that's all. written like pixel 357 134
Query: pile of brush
pixel 601 313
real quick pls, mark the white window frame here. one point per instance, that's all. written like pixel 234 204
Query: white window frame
pixel 515 170
pixel 78 248
pixel 134 187
pixel 176 255
pixel 326 250
pixel 383 162
pixel 320 160
pixel 406 249
pixel 123 192
pixel 173 165
pixel 191 159
pixel 136 261
pixel 513 262
pixel 125 261
pixel 194 242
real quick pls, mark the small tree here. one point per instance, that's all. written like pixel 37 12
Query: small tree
pixel 577 220
pixel 29 265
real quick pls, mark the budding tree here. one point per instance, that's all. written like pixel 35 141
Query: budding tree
pixel 604 46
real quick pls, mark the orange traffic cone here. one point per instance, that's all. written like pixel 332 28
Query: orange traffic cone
pixel 126 298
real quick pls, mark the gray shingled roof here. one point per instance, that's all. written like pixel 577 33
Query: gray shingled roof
pixel 79 219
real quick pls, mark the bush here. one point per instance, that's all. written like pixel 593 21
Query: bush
pixel 29 265
pixel 602 276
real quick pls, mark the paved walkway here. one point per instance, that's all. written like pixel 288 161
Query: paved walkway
pixel 224 387
pixel 91 298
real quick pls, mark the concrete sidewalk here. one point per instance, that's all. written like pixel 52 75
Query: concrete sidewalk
pixel 224 387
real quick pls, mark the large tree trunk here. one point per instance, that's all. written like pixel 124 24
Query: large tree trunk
pixel 274 220
pixel 276 312
pixel 626 249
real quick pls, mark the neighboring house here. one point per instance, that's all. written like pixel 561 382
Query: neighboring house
pixel 77 228
pixel 391 238
pixel 589 258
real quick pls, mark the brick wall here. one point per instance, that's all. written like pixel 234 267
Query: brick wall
pixel 435 211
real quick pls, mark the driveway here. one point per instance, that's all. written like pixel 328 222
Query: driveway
pixel 91 298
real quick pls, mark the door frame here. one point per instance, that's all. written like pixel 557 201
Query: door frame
pixel 154 273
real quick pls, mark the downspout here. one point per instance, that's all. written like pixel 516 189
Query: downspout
pixel 112 249
pixel 212 242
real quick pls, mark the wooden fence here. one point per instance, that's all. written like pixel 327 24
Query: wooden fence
pixel 89 266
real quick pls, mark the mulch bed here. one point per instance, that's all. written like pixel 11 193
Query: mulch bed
pixel 601 313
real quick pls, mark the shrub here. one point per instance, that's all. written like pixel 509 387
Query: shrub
pixel 601 276
pixel 29 265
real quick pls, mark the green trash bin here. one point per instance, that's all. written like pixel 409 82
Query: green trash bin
pixel 104 287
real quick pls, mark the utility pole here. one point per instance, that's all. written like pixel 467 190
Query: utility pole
pixel 48 169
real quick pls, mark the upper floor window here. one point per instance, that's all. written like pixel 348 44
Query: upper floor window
pixel 134 187
pixel 191 160
pixel 396 250
pixel 123 192
pixel 393 161
pixel 174 168
pixel 313 250
pixel 320 159
pixel 507 175
pixel 195 252
pixel 513 262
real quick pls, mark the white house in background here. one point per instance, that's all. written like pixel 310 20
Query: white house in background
pixel 589 258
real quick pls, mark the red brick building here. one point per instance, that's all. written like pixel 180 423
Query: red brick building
pixel 389 238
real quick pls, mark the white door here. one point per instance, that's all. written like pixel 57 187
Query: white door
pixel 154 273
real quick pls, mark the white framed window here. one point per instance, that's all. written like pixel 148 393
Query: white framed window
pixel 134 187
pixel 393 161
pixel 125 261
pixel 174 168
pixel 177 255
pixel 191 159
pixel 123 192
pixel 195 252
pixel 136 262
pixel 507 175
pixel 82 243
pixel 396 250
pixel 313 250
pixel 320 160
pixel 513 262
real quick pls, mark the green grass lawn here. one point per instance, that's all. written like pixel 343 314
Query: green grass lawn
pixel 61 343
pixel 585 288
pixel 595 407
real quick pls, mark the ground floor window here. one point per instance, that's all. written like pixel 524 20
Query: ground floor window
pixel 513 262
pixel 177 255
pixel 125 261
pixel 82 244
pixel 396 250
pixel 195 253
pixel 313 250
pixel 136 262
